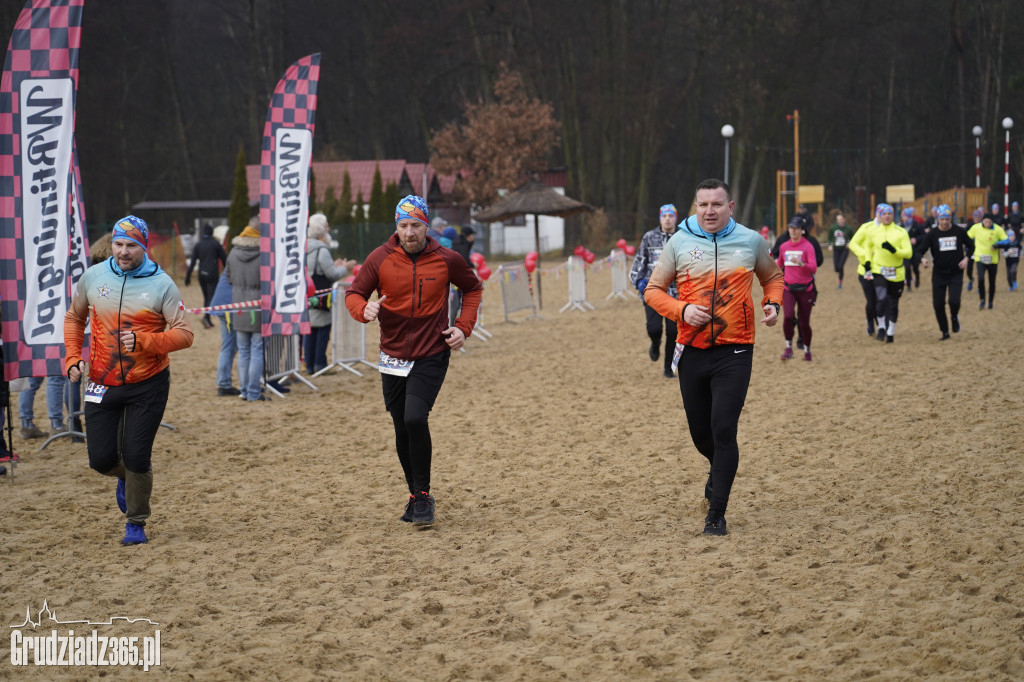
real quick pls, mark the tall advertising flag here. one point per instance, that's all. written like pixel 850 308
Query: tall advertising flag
pixel 284 198
pixel 42 239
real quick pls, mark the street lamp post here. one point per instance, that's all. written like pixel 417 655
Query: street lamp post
pixel 977 155
pixel 727 132
pixel 1007 123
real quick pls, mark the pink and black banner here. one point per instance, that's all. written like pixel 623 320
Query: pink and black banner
pixel 42 225
pixel 284 198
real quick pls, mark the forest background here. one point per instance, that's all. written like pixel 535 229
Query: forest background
pixel 888 91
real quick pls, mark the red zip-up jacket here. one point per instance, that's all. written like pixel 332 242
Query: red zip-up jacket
pixel 415 311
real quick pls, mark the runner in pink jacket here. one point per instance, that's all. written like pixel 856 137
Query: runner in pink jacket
pixel 799 263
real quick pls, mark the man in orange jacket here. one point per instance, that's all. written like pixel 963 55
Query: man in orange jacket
pixel 411 273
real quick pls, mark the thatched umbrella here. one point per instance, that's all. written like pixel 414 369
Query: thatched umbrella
pixel 536 199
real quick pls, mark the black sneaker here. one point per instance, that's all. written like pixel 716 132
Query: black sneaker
pixel 423 509
pixel 881 334
pixel 956 323
pixel 945 335
pixel 669 374
pixel 890 339
pixel 654 352
pixel 407 516
pixel 981 305
pixel 714 524
pixel 228 391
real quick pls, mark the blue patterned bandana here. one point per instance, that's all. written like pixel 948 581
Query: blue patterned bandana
pixel 944 211
pixel 133 229
pixel 668 209
pixel 884 208
pixel 413 207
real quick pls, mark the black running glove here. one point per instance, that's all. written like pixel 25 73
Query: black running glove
pixel 888 247
pixel 867 266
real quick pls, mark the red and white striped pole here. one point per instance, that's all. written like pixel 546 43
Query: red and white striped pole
pixel 977 155
pixel 1007 123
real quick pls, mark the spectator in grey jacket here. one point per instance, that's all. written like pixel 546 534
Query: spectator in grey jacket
pixel 324 272
pixel 243 273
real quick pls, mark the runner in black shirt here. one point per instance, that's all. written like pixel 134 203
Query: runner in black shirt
pixel 951 249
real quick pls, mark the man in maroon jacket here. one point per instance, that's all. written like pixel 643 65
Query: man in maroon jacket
pixel 411 273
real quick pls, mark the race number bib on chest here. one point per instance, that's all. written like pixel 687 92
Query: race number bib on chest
pixel 840 239
pixel 94 392
pixel 794 258
pixel 947 243
pixel 889 273
pixel 394 366
pixel 987 259
pixel 1013 253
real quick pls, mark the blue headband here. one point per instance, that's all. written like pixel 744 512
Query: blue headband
pixel 668 208
pixel 944 211
pixel 884 208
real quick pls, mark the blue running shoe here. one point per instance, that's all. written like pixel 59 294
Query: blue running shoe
pixel 134 535
pixel 119 492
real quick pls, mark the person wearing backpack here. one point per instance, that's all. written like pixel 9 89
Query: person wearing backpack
pixel 324 271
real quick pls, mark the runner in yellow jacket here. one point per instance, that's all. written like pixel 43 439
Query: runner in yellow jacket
pixel 985 234
pixel 888 246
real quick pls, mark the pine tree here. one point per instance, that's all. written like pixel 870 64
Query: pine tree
pixel 329 206
pixel 378 214
pixel 345 201
pixel 360 215
pixel 238 213
pixel 391 198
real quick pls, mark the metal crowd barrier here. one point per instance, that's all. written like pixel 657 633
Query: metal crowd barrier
pixel 620 276
pixel 577 268
pixel 281 360
pixel 348 337
pixel 516 289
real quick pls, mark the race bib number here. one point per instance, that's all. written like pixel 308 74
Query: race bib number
pixel 889 273
pixel 985 259
pixel 394 366
pixel 840 239
pixel 947 243
pixel 794 258
pixel 94 392
pixel 1013 253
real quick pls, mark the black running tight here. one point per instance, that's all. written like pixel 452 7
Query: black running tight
pixel 714 383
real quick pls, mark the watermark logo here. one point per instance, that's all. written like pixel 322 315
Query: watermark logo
pixel 65 647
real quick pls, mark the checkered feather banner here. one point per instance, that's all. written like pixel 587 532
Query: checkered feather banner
pixel 39 245
pixel 284 198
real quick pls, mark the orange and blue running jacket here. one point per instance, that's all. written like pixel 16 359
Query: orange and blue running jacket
pixel 145 301
pixel 715 271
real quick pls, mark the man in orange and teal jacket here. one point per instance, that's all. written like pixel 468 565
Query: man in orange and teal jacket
pixel 713 262
pixel 137 318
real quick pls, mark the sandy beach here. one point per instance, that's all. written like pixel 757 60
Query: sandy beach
pixel 875 525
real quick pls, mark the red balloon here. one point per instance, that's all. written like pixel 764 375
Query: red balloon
pixel 579 250
pixel 310 287
pixel 621 243
pixel 630 249
pixel 477 259
pixel 588 256
pixel 533 255
pixel 531 265
pixel 484 272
